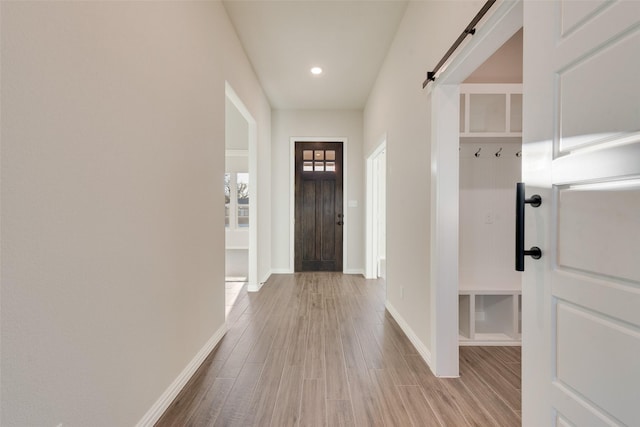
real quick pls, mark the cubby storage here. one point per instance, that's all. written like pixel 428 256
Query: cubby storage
pixel 491 110
pixel 490 300
pixel 489 317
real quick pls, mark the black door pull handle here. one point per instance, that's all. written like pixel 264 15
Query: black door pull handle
pixel 535 201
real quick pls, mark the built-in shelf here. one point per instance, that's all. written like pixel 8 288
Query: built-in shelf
pixel 490 300
pixel 491 110
pixel 490 317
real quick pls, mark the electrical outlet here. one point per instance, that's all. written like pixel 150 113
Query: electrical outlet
pixel 488 218
pixel 402 292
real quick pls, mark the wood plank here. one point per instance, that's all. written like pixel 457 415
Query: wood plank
pixel 314 358
pixel 366 411
pixel 313 411
pixel 496 381
pixel 354 359
pixel 472 406
pixel 287 369
pixel 235 407
pixel 490 400
pixel 287 409
pixel 331 314
pixel 263 400
pixel 298 342
pixel 238 355
pixel 340 413
pixel 211 403
pixel 370 348
pixel 335 374
pixel 490 361
pixel 440 398
pixel 394 412
pixel 419 410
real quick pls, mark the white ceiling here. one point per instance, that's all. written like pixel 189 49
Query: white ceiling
pixel 348 39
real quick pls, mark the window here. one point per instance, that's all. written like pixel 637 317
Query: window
pixel 318 160
pixel 236 200
pixel 243 199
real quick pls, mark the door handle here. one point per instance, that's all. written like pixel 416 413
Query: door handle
pixel 340 222
pixel 535 201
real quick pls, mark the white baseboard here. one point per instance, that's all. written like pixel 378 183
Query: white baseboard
pixel 260 284
pixel 419 345
pixel 354 271
pixel 161 405
pixel 265 279
pixel 281 271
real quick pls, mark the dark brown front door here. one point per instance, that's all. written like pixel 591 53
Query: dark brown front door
pixel 318 209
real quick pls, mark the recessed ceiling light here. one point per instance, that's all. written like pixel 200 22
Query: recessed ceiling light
pixel 316 71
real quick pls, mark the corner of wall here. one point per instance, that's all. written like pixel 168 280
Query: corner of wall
pixel 424 352
pixel 162 404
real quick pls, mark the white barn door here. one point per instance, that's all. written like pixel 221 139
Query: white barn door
pixel 581 153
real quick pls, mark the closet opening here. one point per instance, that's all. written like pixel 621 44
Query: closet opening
pixel 376 213
pixel 240 199
pixel 490 301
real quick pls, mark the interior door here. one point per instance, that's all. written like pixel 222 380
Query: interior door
pixel 581 153
pixel 318 206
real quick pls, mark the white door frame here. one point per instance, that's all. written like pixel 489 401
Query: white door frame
pixel 493 32
pixel 372 219
pixel 252 285
pixel 292 195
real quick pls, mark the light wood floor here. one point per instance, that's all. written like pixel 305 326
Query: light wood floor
pixel 319 349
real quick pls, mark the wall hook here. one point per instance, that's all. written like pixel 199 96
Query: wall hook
pixel 498 153
pixel 519 154
pixel 478 152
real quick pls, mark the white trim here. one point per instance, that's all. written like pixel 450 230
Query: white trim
pixel 253 183
pixel 357 271
pixel 505 21
pixel 281 271
pixel 419 345
pixel 292 194
pixel 507 89
pixel 236 153
pixel 493 88
pixel 505 343
pixel 260 284
pixel 371 248
pixel 162 404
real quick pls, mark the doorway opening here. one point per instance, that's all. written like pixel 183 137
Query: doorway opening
pixel 498 28
pixel 376 259
pixel 319 213
pixel 240 198
pixel 490 301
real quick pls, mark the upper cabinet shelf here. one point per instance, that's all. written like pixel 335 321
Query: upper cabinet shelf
pixel 491 110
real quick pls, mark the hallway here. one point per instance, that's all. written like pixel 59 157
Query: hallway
pixel 319 349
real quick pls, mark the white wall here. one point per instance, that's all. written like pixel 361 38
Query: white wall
pixel 112 213
pixel 399 106
pixel 310 123
pixel 487 223
pixel 504 66
pixel 236 129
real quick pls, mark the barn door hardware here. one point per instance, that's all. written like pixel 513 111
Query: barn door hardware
pixel 535 201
